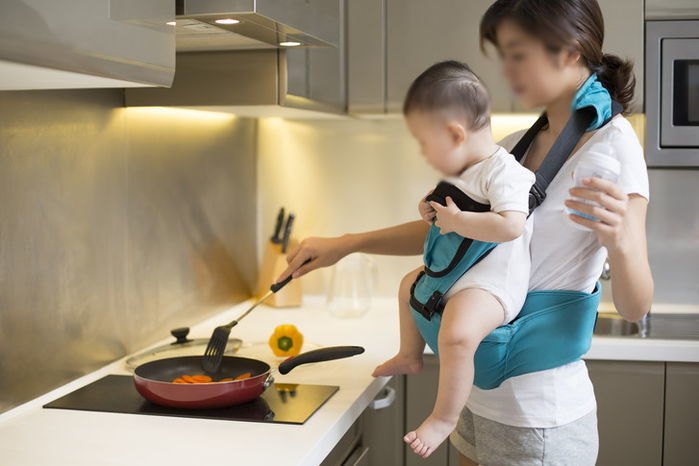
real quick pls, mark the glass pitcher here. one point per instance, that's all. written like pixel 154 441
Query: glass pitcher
pixel 351 285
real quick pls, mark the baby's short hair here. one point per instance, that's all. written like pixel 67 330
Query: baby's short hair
pixel 450 85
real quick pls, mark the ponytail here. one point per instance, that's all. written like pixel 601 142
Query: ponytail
pixel 617 76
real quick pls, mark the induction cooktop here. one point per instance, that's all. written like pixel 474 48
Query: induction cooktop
pixel 279 403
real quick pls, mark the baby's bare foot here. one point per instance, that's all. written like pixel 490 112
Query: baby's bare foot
pixel 399 364
pixel 431 433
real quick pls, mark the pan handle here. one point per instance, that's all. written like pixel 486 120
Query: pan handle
pixel 321 354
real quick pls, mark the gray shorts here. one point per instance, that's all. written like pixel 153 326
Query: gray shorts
pixel 491 443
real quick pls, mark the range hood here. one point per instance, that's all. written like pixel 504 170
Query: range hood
pixel 248 72
pixel 206 25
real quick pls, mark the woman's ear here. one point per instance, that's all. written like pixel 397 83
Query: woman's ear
pixel 457 132
pixel 571 56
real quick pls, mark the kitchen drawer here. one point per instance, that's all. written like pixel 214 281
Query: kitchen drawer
pixel 346 446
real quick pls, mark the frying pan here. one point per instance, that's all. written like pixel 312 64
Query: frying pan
pixel 153 379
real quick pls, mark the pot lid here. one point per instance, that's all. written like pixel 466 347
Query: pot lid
pixel 182 346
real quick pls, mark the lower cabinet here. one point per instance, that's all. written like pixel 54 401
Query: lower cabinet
pixel 630 397
pixel 420 394
pixel 376 437
pixel 681 439
pixel 647 414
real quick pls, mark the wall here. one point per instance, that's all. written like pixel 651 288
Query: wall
pixel 354 175
pixel 348 175
pixel 115 225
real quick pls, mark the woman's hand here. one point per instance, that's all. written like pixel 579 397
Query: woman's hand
pixel 622 231
pixel 322 252
pixel 447 216
pixel 427 212
pixel 613 227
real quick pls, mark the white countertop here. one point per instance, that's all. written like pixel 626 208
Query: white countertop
pixel 31 435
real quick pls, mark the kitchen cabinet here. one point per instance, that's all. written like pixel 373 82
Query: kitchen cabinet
pixel 420 394
pixel 92 43
pixel 376 438
pixel 624 36
pixel 418 35
pixel 672 9
pixel 681 414
pixel 384 425
pixel 630 397
pixel 390 42
pixel 319 73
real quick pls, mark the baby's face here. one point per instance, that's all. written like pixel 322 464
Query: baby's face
pixel 439 141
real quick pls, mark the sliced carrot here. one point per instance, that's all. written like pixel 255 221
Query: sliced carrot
pixel 178 380
pixel 188 379
pixel 244 376
pixel 201 378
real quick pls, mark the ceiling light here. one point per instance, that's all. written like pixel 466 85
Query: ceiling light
pixel 289 43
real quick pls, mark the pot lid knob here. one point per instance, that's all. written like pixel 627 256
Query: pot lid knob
pixel 181 335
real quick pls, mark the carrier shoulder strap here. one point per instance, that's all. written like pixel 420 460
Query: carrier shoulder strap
pixel 560 150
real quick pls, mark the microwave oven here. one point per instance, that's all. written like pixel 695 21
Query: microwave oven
pixel 672 93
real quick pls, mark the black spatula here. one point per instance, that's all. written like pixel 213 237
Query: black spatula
pixel 219 337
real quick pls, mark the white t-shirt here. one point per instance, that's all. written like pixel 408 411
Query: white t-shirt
pixel 504 183
pixel 498 180
pixel 562 257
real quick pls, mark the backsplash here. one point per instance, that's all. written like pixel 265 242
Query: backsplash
pixel 354 175
pixel 117 225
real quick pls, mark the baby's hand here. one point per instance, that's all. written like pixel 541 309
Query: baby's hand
pixel 427 212
pixel 447 216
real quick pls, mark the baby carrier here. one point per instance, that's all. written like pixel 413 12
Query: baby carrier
pixel 554 327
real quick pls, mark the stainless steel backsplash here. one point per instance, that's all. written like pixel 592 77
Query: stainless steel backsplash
pixel 115 225
pixel 673 235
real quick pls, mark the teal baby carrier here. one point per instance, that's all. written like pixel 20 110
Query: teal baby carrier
pixel 554 327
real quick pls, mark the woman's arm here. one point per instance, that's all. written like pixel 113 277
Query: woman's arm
pixel 622 231
pixel 405 239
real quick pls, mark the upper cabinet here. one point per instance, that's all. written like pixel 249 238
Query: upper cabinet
pixel 672 9
pixel 45 44
pixel 624 36
pixel 319 73
pixel 418 35
pixel 390 42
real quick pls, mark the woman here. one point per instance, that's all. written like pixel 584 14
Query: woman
pixel 548 49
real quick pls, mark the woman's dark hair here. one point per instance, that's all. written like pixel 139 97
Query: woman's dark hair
pixel 576 24
pixel 450 86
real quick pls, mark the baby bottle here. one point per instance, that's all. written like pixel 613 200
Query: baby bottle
pixel 598 162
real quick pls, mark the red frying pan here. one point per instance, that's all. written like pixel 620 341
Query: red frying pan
pixel 153 379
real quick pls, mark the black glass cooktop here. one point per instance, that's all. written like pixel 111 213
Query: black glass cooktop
pixel 280 403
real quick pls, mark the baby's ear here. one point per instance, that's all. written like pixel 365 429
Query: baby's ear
pixel 457 131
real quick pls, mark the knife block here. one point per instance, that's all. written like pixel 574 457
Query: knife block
pixel 273 264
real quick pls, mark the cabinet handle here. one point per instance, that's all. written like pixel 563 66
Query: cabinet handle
pixel 385 401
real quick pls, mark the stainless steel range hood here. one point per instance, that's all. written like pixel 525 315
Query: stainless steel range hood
pixel 250 74
pixel 205 25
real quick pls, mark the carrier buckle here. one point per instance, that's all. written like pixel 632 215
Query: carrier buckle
pixel 536 197
pixel 432 305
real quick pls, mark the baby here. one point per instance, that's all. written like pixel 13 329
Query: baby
pixel 447 110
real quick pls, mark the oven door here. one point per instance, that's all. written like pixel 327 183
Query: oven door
pixel 679 112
